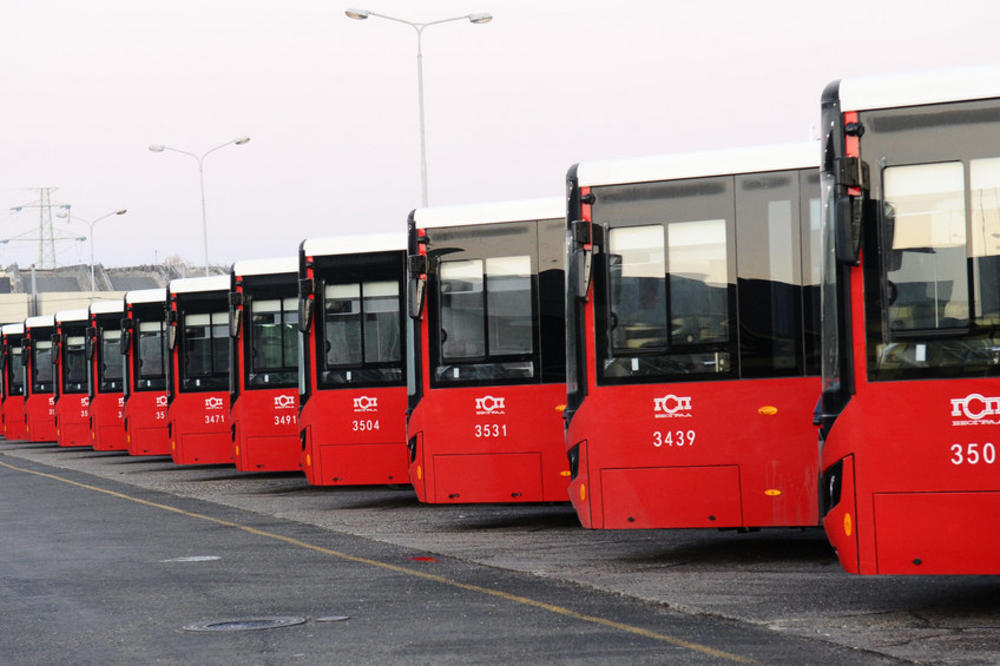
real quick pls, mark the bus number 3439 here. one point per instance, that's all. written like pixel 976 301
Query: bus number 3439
pixel 673 438
pixel 973 454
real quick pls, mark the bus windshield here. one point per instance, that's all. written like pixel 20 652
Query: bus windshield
pixel 41 365
pixel 74 365
pixel 15 371
pixel 274 343
pixel 110 361
pixel 150 371
pixel 205 361
pixel 361 331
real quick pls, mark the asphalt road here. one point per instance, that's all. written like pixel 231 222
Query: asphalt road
pixel 86 577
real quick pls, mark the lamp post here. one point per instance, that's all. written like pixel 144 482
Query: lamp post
pixel 91 223
pixel 479 18
pixel 159 148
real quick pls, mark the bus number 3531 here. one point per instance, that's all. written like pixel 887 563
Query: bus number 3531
pixel 673 438
pixel 973 454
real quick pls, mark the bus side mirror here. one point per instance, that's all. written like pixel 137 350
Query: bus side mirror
pixel 416 289
pixel 848 230
pixel 171 329
pixel 88 343
pixel 235 313
pixel 581 269
pixel 306 289
pixel 894 257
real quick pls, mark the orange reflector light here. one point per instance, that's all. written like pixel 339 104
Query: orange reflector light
pixel 173 446
pixel 420 473
pixel 768 410
pixel 583 492
pixel 309 460
pixel 772 492
pixel 237 452
pixel 565 472
pixel 560 408
pixel 847 524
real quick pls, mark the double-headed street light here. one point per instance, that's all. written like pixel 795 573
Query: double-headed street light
pixel 159 148
pixel 479 18
pixel 64 213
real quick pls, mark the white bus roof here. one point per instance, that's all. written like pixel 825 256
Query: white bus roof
pixel 354 244
pixel 73 315
pixel 915 88
pixel 39 321
pixel 699 165
pixel 146 296
pixel 12 329
pixel 106 307
pixel 489 213
pixel 196 284
pixel 266 266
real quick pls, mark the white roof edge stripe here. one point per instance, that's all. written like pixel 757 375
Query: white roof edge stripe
pixel 487 213
pixel 267 266
pixel 78 314
pixel 916 88
pixel 700 164
pixel 12 329
pixel 106 307
pixel 146 295
pixel 354 244
pixel 40 321
pixel 195 284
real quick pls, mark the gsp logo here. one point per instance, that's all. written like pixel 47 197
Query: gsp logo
pixel 84 401
pixel 161 401
pixel 490 405
pixel 671 406
pixel 975 408
pixel 213 403
pixel 284 402
pixel 365 403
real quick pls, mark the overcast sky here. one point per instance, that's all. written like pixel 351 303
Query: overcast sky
pixel 330 103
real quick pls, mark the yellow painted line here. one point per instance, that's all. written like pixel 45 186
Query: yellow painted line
pixel 526 601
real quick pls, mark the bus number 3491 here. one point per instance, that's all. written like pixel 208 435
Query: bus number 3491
pixel 673 438
pixel 973 454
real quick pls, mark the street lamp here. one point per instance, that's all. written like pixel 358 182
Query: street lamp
pixel 478 18
pixel 159 148
pixel 64 213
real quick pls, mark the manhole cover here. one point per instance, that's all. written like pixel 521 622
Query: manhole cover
pixel 246 624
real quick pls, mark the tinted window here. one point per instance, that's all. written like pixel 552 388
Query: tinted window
pixel 274 342
pixel 205 351
pixel 74 364
pixel 111 362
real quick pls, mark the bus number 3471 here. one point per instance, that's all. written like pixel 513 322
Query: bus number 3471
pixel 973 454
pixel 673 438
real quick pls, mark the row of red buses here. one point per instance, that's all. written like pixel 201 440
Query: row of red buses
pixel 693 338
pixel 352 393
pixel 145 382
pixel 12 355
pixel 39 384
pixel 69 360
pixel 198 371
pixel 106 367
pixel 487 384
pixel 263 392
pixel 911 322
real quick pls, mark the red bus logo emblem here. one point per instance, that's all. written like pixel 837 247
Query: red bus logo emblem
pixel 365 403
pixel 213 403
pixel 52 400
pixel 490 405
pixel 671 406
pixel 121 401
pixel 284 402
pixel 975 408
pixel 85 401
pixel 161 401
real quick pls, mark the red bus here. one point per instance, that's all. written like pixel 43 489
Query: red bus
pixel 13 382
pixel 106 368
pixel 911 323
pixel 145 388
pixel 72 418
pixel 693 339
pixel 263 391
pixel 39 400
pixel 352 419
pixel 198 371
pixel 488 385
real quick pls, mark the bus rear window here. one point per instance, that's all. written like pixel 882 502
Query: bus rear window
pixel 205 362
pixel 74 365
pixel 150 371
pixel 41 381
pixel 110 361
pixel 361 331
pixel 274 340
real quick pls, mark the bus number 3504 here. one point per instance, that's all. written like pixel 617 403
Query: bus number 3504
pixel 973 454
pixel 673 438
